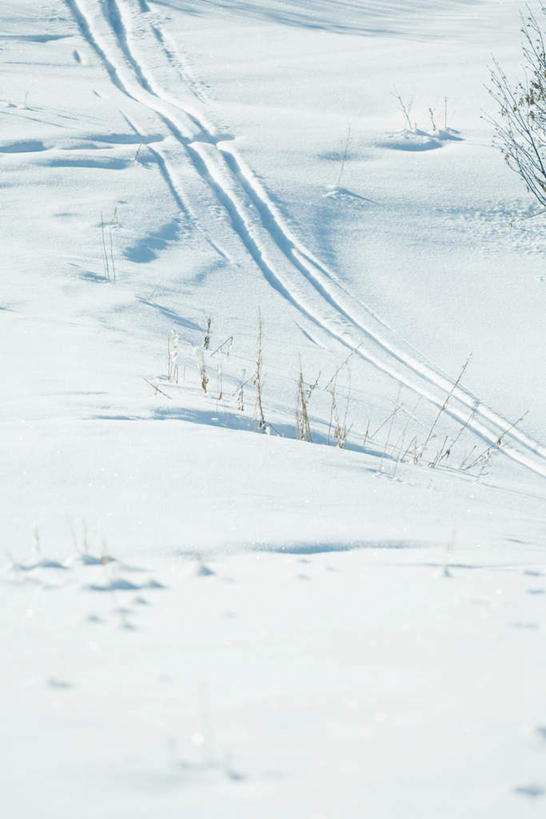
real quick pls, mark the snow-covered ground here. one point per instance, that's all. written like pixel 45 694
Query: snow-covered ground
pixel 207 618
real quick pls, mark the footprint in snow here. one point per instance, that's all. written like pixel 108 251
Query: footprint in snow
pixel 126 625
pixel 235 776
pixel 348 197
pixel 123 610
pixel 121 584
pixel 40 564
pixel 91 560
pixel 533 791
pixel 48 574
pixel 22 146
pixel 203 571
pixel 55 682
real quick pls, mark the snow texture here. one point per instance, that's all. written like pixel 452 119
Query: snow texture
pixel 214 209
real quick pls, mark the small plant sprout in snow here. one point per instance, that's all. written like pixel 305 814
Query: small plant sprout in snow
pixel 303 426
pixel 108 250
pixel 405 108
pixel 412 137
pixel 105 558
pixel 432 116
pixel 338 422
pixel 80 540
pixel 200 359
pixel 219 382
pixel 241 393
pixel 344 156
pixel 389 431
pixel 449 549
pixel 206 340
pixel 258 375
pixel 366 437
pixel 172 352
pixel 37 542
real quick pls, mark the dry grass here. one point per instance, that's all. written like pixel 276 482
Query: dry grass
pixel 303 398
pixel 108 248
pixel 258 374
pixel 200 359
pixel 172 356
pixel 401 437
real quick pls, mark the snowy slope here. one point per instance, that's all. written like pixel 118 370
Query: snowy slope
pixel 368 638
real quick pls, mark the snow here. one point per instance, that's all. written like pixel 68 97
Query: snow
pixel 201 617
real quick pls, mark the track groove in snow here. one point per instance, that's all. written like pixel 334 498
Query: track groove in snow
pixel 287 265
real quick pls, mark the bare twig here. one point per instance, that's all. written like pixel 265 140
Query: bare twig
pixel 345 155
pixel 303 426
pixel 406 111
pixel 258 375
pixel 341 366
pixel 227 343
pixel 487 453
pixel 444 405
pixel 206 340
pixel 156 388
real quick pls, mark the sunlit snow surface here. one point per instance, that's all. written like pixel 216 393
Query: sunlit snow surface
pixel 200 618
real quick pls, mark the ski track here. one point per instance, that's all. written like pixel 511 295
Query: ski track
pixel 167 172
pixel 285 263
pixel 175 59
pixel 176 189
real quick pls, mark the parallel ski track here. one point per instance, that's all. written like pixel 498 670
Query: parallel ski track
pixel 165 166
pixel 172 55
pixel 287 265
